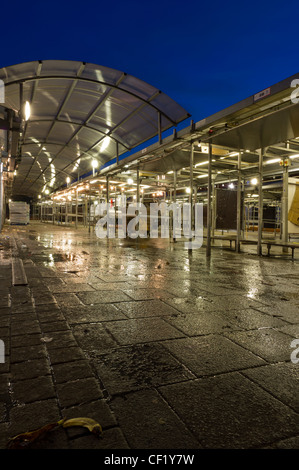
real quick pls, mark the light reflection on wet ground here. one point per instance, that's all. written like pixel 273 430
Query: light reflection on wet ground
pixel 166 331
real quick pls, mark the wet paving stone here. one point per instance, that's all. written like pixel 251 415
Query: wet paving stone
pixel 32 390
pixel 78 392
pixel 284 310
pixel 267 343
pixel 102 297
pixel 201 323
pixel 21 341
pixel 24 418
pixel 67 300
pixel 29 326
pixel 71 288
pixel 138 367
pixel 93 338
pixel 142 330
pixel 212 354
pixel 62 355
pixel 225 409
pixel 281 380
pixel 25 353
pixel 146 308
pixel 96 313
pixel 30 369
pixel 60 339
pixel 144 294
pixel 70 371
pixel 149 423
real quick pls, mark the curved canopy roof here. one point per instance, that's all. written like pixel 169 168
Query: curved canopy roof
pixel 80 112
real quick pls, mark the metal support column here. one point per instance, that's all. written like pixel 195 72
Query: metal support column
pixel 213 205
pixel 2 216
pixel 191 193
pixel 89 207
pixel 108 205
pixel 260 204
pixel 285 208
pixel 175 173
pixel 239 194
pixel 138 186
pixel 76 221
pixel 209 211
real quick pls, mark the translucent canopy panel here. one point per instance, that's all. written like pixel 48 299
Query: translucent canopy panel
pixel 80 112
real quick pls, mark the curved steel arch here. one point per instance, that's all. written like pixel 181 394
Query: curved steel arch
pixel 132 110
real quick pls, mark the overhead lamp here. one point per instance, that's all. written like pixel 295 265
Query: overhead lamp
pixel 254 181
pixel 231 185
pixel 94 163
pixel 27 111
pixel 188 190
pixel 68 180
pixel 130 181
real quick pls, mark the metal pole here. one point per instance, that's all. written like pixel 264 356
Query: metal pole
pixel 191 184
pixel 213 206
pixel 138 187
pixel 191 191
pixel 174 198
pixel 260 204
pixel 76 222
pixel 108 205
pixel 238 243
pixel 285 203
pixel 209 215
pixel 89 211
pixel 1 194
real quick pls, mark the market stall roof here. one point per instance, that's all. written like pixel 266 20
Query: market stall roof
pixel 268 119
pixel 80 112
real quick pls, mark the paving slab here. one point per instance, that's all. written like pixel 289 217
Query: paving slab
pixel 148 422
pixel 222 411
pixel 165 349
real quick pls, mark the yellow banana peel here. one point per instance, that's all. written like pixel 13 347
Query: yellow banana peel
pixel 22 440
pixel 87 423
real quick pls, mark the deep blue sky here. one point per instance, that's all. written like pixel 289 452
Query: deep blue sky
pixel 206 56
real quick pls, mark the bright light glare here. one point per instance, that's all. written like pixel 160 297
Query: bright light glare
pixel 254 181
pixel 27 110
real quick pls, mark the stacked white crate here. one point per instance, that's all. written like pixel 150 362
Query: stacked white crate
pixel 19 213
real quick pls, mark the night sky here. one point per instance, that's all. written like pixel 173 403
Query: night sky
pixel 204 55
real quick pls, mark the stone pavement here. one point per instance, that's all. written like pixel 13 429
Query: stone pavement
pixel 165 349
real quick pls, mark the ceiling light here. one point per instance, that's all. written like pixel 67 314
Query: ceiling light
pixel 27 110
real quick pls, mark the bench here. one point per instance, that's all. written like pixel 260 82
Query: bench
pixel 283 244
pixel 293 235
pixel 223 237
